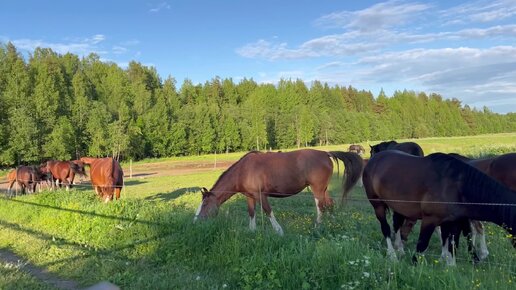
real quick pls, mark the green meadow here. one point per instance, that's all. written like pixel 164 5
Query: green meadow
pixel 147 240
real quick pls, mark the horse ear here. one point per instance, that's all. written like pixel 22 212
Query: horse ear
pixel 204 190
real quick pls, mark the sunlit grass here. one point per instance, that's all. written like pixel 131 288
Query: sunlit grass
pixel 148 239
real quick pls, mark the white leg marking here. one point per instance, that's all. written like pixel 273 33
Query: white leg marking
pixel 275 224
pixel 319 213
pixel 483 251
pixel 359 182
pixel 197 212
pixel 398 243
pixel 252 223
pixel 438 231
pixel 390 250
pixel 446 255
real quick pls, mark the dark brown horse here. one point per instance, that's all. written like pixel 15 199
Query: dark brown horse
pixel 27 177
pixel 63 172
pixel 503 169
pixel 407 147
pixel 439 190
pixel 358 149
pixel 260 175
pixel 107 177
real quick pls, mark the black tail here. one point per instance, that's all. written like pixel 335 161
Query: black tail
pixel 353 167
pixel 77 169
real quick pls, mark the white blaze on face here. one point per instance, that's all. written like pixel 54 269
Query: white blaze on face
pixel 198 211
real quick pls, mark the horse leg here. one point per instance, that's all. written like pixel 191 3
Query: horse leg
pixel 9 188
pixel 448 243
pixel 268 210
pixel 477 229
pixel 427 228
pixel 322 200
pixel 251 204
pixel 118 189
pixel 380 212
pixel 397 222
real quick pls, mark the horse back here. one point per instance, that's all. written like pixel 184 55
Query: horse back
pixel 410 148
pixel 503 169
pixel 285 172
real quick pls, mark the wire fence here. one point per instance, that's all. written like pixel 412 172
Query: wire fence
pixel 306 195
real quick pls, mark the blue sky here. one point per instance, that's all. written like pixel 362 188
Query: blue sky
pixel 460 49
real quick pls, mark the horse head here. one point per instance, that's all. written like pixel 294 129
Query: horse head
pixel 209 205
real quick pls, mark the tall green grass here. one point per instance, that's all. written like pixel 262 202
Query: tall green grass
pixel 148 240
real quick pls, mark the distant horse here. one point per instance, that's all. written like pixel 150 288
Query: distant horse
pixel 358 149
pixel 107 177
pixel 407 147
pixel 259 175
pixel 27 178
pixel 63 172
pixel 439 190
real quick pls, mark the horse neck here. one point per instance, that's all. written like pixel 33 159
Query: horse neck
pixel 498 203
pixel 225 187
pixel 482 164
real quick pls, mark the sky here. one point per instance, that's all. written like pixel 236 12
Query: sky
pixel 459 49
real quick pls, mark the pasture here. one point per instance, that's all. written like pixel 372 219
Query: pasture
pixel 147 239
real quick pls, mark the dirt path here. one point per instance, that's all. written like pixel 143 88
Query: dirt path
pixel 160 169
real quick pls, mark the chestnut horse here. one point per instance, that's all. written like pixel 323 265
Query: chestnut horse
pixel 259 175
pixel 27 177
pixel 438 189
pixel 107 177
pixel 63 172
pixel 407 147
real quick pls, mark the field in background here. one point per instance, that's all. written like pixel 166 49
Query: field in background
pixel 148 240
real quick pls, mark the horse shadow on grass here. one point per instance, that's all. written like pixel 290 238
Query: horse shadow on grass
pixel 167 196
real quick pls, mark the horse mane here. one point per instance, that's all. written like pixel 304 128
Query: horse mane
pixel 475 186
pixel 234 165
pixel 460 157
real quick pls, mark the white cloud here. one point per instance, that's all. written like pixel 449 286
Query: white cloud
pixel 377 17
pixel 479 12
pixel 80 46
pixel 161 6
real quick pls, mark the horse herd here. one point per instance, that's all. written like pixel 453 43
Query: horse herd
pixel 445 191
pixel 105 173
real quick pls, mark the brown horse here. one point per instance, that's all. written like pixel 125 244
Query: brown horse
pixel 503 169
pixel 358 149
pixel 260 175
pixel 107 177
pixel 27 177
pixel 407 147
pixel 439 190
pixel 63 172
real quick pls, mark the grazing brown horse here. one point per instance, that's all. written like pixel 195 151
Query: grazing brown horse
pixel 27 177
pixel 63 172
pixel 107 177
pixel 358 149
pixel 259 175
pixel 439 190
pixel 407 147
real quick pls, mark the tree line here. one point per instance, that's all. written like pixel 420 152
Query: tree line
pixel 63 107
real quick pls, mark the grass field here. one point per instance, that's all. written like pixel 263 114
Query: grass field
pixel 147 240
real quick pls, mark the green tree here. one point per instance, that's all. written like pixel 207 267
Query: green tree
pixel 61 142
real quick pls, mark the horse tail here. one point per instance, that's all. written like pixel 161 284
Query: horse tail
pixel 353 167
pixel 77 169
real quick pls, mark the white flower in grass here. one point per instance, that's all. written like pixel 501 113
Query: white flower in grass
pixel 366 274
pixel 198 278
